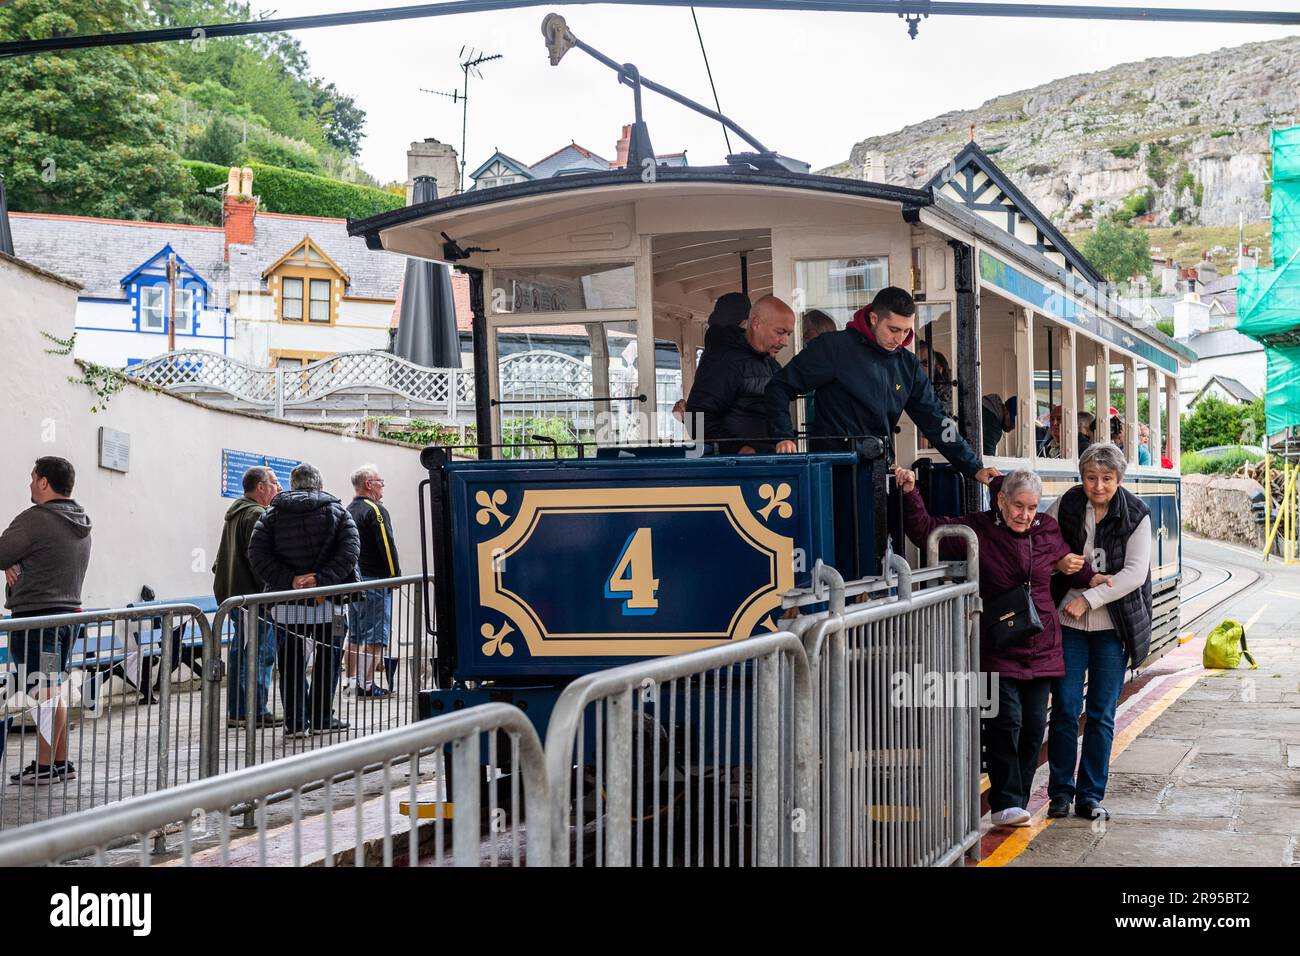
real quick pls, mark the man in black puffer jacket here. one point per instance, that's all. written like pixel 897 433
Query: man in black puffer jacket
pixel 730 384
pixel 306 539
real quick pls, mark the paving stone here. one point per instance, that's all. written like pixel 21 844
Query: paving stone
pixel 1199 801
pixel 1241 773
pixel 1151 756
pixel 1293 755
pixel 1059 845
pixel 1240 746
pixel 1173 846
pixel 1133 794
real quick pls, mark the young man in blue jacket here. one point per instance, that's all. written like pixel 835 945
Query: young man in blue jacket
pixel 865 379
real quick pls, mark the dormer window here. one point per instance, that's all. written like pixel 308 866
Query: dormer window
pixel 147 288
pixel 307 284
pixel 153 308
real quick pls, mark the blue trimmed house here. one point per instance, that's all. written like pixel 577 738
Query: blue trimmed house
pixel 267 289
pixel 501 169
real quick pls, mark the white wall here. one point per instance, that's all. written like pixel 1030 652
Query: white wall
pixel 1249 368
pixel 360 326
pixel 159 523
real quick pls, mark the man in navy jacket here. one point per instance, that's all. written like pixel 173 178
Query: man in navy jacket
pixel 865 379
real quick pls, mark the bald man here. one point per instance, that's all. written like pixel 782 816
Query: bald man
pixel 732 379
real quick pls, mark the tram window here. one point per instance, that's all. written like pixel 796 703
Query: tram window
pixel 564 288
pixel 839 287
pixel 1048 385
pixel 1001 344
pixel 936 348
pixel 567 383
pixel 668 390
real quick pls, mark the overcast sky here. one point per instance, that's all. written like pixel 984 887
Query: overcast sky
pixel 807 84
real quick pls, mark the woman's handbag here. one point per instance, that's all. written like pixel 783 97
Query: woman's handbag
pixel 1011 616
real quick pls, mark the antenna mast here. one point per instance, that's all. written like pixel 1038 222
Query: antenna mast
pixel 470 61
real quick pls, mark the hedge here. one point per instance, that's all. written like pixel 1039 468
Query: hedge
pixel 302 194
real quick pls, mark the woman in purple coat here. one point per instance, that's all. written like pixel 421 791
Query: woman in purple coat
pixel 1014 735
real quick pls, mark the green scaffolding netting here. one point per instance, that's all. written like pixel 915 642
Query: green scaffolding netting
pixel 1268 300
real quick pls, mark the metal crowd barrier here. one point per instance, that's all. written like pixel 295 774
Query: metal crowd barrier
pixel 315 634
pixel 300 807
pixel 704 758
pixel 109 697
pixel 897 684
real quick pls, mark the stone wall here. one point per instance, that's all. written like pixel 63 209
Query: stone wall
pixel 1220 508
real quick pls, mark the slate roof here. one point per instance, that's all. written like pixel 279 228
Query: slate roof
pixel 1230 385
pixel 1221 342
pixel 98 252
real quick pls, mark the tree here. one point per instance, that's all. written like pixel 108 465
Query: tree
pixel 219 143
pixel 340 118
pixel 1214 422
pixel 87 132
pixel 1118 252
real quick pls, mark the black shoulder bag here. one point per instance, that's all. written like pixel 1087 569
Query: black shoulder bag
pixel 1011 616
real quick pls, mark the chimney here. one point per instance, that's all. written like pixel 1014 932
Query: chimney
pixel 621 149
pixel 239 209
pixel 1207 271
pixel 1169 278
pixel 435 160
pixel 1191 316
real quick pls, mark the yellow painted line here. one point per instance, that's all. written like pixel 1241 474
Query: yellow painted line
pixel 428 811
pixel 1020 838
pixel 1185 637
pixel 1254 617
pixel 984 783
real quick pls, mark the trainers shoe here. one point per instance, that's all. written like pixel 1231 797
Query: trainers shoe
pixel 372 690
pixel 22 775
pixel 1059 807
pixel 333 727
pixel 298 732
pixel 1091 810
pixel 35 775
pixel 269 720
pixel 1011 817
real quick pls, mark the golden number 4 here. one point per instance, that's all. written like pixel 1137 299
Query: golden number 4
pixel 633 575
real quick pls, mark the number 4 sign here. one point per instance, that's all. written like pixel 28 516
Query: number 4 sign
pixel 633 575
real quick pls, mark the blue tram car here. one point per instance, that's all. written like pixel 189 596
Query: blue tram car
pixel 584 529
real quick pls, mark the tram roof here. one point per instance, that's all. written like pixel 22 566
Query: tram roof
pixel 923 206
pixel 373 228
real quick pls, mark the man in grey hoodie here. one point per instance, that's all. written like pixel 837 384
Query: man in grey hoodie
pixel 44 553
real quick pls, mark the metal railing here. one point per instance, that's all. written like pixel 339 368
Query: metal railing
pixel 699 759
pixel 322 808
pixel 102 705
pixel 897 684
pixel 315 680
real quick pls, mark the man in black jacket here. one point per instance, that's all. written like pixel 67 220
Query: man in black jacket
pixel 232 574
pixel 370 616
pixel 306 539
pixel 865 379
pixel 738 363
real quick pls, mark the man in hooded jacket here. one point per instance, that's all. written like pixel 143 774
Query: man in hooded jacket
pixel 865 379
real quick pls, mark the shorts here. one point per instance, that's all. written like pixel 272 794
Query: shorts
pixel 370 617
pixel 43 653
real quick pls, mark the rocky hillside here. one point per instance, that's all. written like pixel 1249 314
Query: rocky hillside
pixel 1164 141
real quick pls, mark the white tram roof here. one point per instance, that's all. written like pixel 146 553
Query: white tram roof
pixel 722 210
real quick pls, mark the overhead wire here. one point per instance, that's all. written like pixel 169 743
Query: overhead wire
pixel 708 69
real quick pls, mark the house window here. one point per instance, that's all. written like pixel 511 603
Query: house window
pixel 185 311
pixel 152 303
pixel 291 300
pixel 320 300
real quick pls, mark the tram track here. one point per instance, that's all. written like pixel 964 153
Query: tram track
pixel 1218 580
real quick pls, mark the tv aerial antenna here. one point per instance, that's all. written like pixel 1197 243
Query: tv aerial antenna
pixel 471 61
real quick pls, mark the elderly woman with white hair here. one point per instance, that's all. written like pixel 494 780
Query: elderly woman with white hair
pixel 1103 627
pixel 1019 550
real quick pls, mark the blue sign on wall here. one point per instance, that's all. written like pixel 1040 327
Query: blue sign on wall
pixel 566 568
pixel 235 463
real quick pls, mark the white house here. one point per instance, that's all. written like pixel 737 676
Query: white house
pixel 502 170
pixel 265 288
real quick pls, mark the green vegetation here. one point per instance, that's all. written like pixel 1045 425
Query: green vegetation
pixel 1127 151
pixel 1185 243
pixel 289 191
pixel 1185 180
pixel 1166 326
pixel 1215 422
pixel 102 132
pixel 1160 159
pixel 1118 252
pixel 1138 204
pixel 1225 464
pixel 1220 133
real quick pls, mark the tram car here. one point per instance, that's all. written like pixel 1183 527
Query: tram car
pixel 585 529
